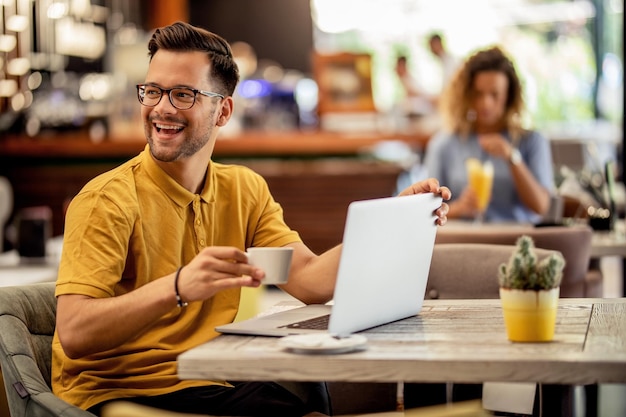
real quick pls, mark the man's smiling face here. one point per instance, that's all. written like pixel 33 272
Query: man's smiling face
pixel 173 134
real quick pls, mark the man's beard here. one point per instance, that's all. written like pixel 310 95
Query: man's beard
pixel 189 147
pixel 185 150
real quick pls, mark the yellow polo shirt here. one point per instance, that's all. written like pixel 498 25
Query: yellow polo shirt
pixel 133 225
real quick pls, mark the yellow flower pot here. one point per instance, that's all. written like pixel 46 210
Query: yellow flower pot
pixel 529 316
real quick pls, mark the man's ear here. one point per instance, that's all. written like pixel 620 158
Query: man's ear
pixel 226 111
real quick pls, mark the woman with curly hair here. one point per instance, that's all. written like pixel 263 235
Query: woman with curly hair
pixel 482 112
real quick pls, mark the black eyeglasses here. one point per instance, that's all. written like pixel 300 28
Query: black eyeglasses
pixel 182 98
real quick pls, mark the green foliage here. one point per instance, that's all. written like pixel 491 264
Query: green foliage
pixel 523 272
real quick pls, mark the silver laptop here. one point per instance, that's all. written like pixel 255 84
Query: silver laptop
pixel 383 270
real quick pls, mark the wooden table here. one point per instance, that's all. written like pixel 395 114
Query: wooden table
pixel 460 341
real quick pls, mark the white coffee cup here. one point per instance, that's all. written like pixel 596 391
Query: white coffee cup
pixel 274 261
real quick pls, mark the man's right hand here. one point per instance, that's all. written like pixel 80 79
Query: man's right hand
pixel 215 269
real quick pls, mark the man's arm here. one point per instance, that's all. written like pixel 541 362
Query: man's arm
pixel 88 325
pixel 312 278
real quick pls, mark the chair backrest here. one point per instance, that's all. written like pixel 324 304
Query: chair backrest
pixel 27 321
pixel 574 243
pixel 469 270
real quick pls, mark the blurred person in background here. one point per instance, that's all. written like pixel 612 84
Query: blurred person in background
pixel 482 110
pixel 417 101
pixel 449 63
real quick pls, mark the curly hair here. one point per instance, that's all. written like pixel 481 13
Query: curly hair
pixel 184 37
pixel 456 101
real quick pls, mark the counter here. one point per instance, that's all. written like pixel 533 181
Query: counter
pixel 248 144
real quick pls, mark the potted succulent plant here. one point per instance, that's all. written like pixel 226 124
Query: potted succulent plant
pixel 529 292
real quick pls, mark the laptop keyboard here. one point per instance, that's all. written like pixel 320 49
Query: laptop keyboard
pixel 315 323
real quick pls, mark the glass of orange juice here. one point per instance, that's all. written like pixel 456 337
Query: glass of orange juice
pixel 480 178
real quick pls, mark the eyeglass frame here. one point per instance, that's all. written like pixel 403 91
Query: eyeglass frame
pixel 168 91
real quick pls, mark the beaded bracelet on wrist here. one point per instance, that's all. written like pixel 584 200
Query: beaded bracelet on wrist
pixel 179 300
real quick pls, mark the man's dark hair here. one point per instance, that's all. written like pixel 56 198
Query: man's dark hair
pixel 184 37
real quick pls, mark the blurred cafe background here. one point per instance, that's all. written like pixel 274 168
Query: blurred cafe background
pixel 320 111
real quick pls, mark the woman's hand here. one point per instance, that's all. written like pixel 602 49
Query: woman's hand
pixel 496 145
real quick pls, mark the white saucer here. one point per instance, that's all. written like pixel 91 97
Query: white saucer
pixel 323 343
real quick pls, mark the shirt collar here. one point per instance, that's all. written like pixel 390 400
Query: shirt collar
pixel 169 186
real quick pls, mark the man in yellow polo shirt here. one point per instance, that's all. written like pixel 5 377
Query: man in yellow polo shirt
pixel 153 254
